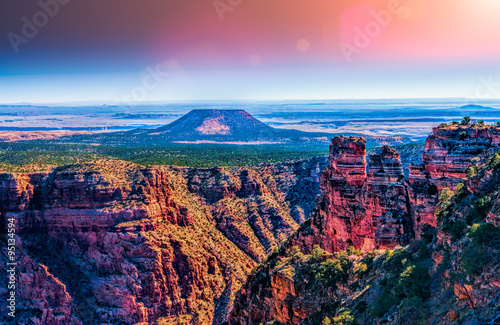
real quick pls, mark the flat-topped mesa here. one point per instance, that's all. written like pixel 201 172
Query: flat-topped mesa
pixel 449 151
pixel 348 160
pixel 490 133
pixel 452 148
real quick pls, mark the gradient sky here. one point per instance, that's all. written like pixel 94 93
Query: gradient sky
pixel 97 50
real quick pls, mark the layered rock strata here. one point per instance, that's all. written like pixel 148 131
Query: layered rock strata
pixel 372 205
pixel 113 243
pixel 106 246
pixel 359 208
pixel 449 151
pixel 380 209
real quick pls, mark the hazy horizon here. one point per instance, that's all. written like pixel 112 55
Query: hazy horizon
pixel 436 100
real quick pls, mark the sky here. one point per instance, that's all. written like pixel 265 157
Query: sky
pixel 129 51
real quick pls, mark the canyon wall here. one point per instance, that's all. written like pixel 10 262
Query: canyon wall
pixel 258 208
pixel 370 204
pixel 449 152
pixel 362 204
pixel 114 243
pixel 367 204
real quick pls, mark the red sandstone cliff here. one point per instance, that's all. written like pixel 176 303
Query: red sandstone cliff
pixel 380 209
pixel 118 246
pixel 114 243
pixel 449 151
pixel 355 208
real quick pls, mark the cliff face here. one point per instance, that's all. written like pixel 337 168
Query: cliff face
pixel 117 244
pixel 258 208
pixel 313 276
pixel 386 199
pixel 355 208
pixel 113 243
pixel 449 151
pixel 376 207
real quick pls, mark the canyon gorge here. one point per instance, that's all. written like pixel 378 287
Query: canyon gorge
pixel 112 242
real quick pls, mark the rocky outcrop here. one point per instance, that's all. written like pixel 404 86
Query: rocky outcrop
pixel 379 209
pixel 356 208
pixel 374 206
pixel 449 151
pixel 386 199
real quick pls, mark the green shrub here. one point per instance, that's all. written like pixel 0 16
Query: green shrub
pixel 413 282
pixel 466 120
pixel 404 279
pixel 344 318
pixel 361 269
pixel 485 234
pixel 494 160
pixel 294 250
pixel 415 309
pixel 395 260
pixel 326 321
pixel 273 255
pixel 485 239
pixel 318 254
pixel 445 195
pixel 353 251
pixel 455 229
pixel 474 258
pixel 463 135
pixel 330 272
pixel 383 303
pixel 480 209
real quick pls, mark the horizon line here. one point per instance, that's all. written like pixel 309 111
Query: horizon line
pixel 177 101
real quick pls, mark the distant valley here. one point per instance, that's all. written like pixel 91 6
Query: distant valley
pixel 409 118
